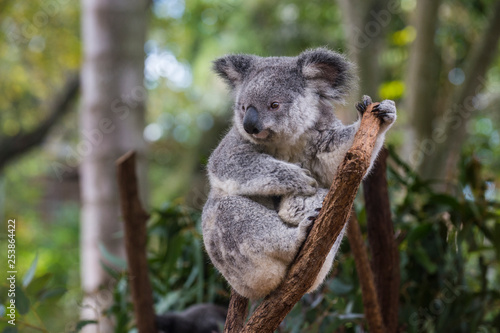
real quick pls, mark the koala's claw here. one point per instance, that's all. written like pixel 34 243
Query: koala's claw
pixel 361 106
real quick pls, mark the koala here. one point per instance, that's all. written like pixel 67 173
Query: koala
pixel 270 173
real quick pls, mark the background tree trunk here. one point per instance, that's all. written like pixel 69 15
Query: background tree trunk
pixel 111 123
pixel 423 72
pixel 366 24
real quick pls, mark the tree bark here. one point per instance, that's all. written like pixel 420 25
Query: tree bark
pixel 331 219
pixel 111 123
pixel 384 250
pixel 441 163
pixel 371 304
pixel 13 147
pixel 135 220
pixel 237 313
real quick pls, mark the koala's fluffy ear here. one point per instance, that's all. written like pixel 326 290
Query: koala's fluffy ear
pixel 234 68
pixel 326 71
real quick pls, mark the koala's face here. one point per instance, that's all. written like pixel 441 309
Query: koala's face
pixel 277 98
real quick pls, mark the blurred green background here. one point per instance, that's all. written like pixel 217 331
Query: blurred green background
pixel 449 236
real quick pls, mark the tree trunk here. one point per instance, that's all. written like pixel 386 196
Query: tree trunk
pixel 423 72
pixel 111 123
pixel 366 24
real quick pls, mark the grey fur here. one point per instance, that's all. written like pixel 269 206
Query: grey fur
pixel 270 173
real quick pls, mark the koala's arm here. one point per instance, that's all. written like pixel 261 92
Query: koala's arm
pixel 238 168
pixel 336 141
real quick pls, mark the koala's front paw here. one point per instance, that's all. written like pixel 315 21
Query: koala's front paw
pixel 306 184
pixel 361 106
pixel 386 112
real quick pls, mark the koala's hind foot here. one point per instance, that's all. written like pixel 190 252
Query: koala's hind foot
pixel 294 209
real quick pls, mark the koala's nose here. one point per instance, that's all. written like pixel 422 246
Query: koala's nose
pixel 251 122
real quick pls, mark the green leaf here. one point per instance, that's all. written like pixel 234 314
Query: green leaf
pixel 340 288
pixel 423 259
pixel 419 232
pixel 82 323
pixel 445 199
pixel 111 258
pixel 31 272
pixel 38 284
pixel 52 293
pixel 22 301
pixel 111 271
pixel 2 310
pixel 10 329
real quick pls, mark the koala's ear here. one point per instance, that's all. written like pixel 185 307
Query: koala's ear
pixel 326 71
pixel 234 68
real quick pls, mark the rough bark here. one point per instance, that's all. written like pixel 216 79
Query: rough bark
pixel 442 161
pixel 237 313
pixel 371 304
pixel 423 73
pixel 135 220
pixel 13 147
pixel 384 250
pixel 111 123
pixel 331 219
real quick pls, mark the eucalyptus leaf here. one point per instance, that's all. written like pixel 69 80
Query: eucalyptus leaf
pixel 114 260
pixel 28 277
pixel 22 301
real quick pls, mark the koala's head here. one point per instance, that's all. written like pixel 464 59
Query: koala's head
pixel 280 98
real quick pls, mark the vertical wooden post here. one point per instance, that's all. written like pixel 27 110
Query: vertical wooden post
pixel 135 219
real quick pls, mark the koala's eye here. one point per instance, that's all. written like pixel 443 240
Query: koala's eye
pixel 275 105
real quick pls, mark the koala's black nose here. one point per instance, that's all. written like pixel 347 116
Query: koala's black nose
pixel 251 122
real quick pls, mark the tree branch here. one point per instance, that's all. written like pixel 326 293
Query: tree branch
pixel 12 147
pixel 135 219
pixel 237 312
pixel 371 304
pixel 384 250
pixel 331 219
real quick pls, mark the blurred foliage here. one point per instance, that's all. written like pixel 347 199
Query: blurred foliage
pixel 47 281
pixel 450 251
